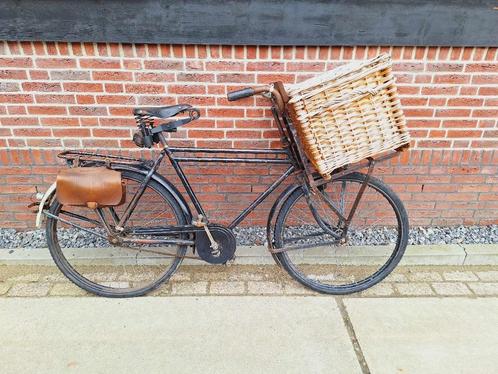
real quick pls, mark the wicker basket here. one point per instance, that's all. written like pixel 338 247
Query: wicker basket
pixel 348 114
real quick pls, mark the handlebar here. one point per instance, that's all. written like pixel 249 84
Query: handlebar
pixel 251 91
pixel 240 94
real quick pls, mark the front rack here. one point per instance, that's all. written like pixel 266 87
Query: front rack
pixel 350 168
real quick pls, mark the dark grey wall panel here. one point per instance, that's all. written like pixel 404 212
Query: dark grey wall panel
pixel 274 22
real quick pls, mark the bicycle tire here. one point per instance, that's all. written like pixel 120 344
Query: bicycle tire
pixel 98 289
pixel 401 242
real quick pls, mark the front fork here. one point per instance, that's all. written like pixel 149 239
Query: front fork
pixel 344 222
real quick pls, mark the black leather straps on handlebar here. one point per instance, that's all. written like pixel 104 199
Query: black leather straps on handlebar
pixel 240 94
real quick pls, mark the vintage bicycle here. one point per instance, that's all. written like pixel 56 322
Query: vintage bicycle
pixel 321 230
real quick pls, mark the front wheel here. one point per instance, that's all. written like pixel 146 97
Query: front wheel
pixel 372 247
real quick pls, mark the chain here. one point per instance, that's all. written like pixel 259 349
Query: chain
pixel 166 254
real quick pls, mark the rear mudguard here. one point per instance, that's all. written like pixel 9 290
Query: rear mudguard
pixel 50 193
pixel 46 198
pixel 275 209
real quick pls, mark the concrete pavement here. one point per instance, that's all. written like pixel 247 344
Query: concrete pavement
pixel 252 317
pixel 251 334
pixel 175 335
pixel 427 335
pixel 436 254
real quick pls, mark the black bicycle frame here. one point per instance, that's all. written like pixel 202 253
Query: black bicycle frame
pixel 291 154
pixel 175 162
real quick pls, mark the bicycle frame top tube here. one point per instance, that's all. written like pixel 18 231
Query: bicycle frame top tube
pixel 175 162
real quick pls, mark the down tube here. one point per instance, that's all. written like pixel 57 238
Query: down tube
pixel 260 198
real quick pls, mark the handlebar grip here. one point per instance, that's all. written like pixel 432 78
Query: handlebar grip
pixel 240 94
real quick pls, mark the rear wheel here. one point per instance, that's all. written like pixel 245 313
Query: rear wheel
pixel 374 243
pixel 89 260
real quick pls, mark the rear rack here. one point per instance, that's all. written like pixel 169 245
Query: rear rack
pixel 80 158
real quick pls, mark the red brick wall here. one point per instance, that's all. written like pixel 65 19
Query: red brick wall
pixel 60 95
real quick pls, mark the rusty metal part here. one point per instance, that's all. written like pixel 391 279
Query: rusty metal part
pixel 202 222
pixel 77 158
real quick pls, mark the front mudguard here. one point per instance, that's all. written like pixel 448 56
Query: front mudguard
pixel 275 209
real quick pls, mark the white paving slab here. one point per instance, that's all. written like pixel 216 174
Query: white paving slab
pixel 174 335
pixel 421 335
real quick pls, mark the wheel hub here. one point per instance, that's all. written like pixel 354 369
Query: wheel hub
pixel 114 240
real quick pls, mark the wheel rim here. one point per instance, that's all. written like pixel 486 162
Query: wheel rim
pixel 94 264
pixel 373 239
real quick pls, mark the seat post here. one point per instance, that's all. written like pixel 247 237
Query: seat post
pixel 162 139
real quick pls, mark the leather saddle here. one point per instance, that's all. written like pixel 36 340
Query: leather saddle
pixel 163 111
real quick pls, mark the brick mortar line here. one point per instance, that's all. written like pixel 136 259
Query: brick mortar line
pixel 246 72
pixel 70 105
pixel 213 107
pixel 61 148
pixel 285 70
pixel 209 49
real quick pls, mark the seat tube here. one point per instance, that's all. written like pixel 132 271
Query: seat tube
pixel 186 184
pixel 141 189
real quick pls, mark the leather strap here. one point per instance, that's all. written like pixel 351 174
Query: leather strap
pixel 170 126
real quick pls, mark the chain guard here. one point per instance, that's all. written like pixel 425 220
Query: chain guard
pixel 226 244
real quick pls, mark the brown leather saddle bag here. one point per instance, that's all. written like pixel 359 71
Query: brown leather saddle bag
pixel 90 186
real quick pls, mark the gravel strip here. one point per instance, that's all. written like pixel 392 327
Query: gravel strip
pixel 379 236
pixel 10 238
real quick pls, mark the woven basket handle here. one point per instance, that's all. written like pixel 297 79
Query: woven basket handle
pixel 356 94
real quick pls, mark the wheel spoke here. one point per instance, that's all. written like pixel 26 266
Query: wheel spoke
pixel 123 263
pixel 341 266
